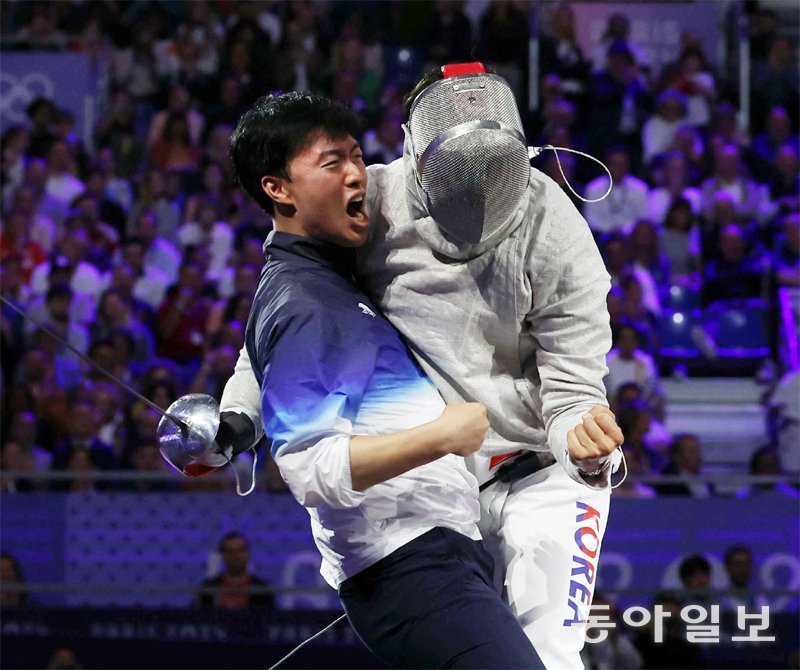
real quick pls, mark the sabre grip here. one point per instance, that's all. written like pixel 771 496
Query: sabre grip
pixel 236 431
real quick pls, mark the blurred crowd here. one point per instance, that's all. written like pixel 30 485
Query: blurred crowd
pixel 139 249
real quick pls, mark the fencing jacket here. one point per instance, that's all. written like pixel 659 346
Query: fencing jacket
pixel 330 366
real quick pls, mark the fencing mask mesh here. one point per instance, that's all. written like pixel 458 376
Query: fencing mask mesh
pixel 471 158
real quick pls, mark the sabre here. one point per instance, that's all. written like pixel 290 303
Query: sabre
pixel 187 430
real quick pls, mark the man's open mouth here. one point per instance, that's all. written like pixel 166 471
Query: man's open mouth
pixel 355 208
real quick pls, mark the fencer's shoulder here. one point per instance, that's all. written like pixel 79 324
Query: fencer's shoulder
pixel 382 180
pixel 549 204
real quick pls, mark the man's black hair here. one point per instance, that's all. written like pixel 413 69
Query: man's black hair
pixel 275 129
pixel 693 565
pixel 736 549
pixel 232 535
pixel 431 76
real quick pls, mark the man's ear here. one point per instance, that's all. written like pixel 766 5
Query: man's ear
pixel 277 189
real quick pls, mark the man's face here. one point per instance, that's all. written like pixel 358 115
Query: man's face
pixel 236 555
pixel 690 456
pixel 326 186
pixel 739 567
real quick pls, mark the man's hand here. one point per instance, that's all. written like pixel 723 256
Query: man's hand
pixel 463 427
pixel 598 435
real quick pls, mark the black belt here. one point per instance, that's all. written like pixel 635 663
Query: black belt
pixel 521 466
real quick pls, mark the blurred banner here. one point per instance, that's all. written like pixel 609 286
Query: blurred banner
pixel 655 27
pixel 117 549
pixel 65 78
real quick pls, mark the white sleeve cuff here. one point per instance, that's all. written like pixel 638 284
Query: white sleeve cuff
pixel 557 439
pixel 317 471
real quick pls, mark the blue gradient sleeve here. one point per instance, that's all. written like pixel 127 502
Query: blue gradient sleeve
pixel 314 375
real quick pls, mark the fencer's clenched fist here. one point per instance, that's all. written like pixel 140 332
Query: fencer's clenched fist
pixel 596 436
pixel 463 426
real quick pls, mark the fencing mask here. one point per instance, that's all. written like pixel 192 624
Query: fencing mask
pixel 471 159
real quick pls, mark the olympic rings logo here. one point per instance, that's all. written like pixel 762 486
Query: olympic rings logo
pixel 16 93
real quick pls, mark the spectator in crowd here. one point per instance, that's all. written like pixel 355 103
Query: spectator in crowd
pixel 776 135
pixel 182 318
pixel 658 132
pixel 775 82
pixel 618 29
pixel 235 588
pixel 114 313
pixel 62 183
pixel 766 461
pixel 657 438
pixel 109 211
pixel 214 186
pixel 45 204
pixel 503 41
pixel 729 177
pixel 448 35
pixel 144 457
pixel 675 651
pixel 14 147
pixel 694 80
pixel 149 282
pixel 161 257
pixel 641 461
pixel 64 658
pixel 736 273
pixel 561 55
pixel 117 188
pixel 646 253
pixel 103 238
pixel 786 257
pixel 41 227
pixel 41 113
pixel 784 187
pixel 57 316
pixel 627 202
pixel 209 230
pixel 153 195
pixel 24 430
pixel 179 106
pixel 628 363
pixel 673 184
pixel 695 575
pixel 82 436
pixel 14 458
pixel 680 242
pixel 616 652
pixel 16 240
pixel 786 418
pixel 173 148
pixel 739 570
pixel 215 371
pixel 116 133
pixel 686 460
pixel 107 398
pixel 11 575
pixel 70 265
pixel 384 143
pixel 619 101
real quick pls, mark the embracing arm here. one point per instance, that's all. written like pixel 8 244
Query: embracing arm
pixel 376 458
pixel 240 408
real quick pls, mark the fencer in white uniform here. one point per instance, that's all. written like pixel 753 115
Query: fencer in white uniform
pixel 490 273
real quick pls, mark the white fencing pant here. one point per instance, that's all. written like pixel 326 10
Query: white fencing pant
pixel 544 532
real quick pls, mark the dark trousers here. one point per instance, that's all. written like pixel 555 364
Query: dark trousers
pixel 432 604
